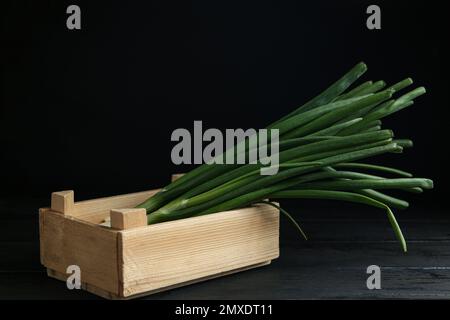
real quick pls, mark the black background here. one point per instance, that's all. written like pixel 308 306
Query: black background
pixel 93 109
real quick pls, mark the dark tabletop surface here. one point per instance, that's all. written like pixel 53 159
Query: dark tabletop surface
pixel 344 241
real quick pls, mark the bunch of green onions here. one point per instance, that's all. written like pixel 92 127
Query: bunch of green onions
pixel 321 145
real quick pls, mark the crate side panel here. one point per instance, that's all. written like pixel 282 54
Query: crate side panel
pixel 67 241
pixel 165 254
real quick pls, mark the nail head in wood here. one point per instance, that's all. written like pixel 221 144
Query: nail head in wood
pixel 123 219
pixel 63 201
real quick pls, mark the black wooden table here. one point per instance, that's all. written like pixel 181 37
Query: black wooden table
pixel 344 241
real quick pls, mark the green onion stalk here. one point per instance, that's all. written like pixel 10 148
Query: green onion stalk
pixel 323 147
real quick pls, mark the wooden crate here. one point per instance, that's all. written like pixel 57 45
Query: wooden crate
pixel 130 258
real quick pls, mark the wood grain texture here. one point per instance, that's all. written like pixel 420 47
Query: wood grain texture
pixel 122 219
pixel 63 202
pixel 165 254
pixel 84 285
pixel 96 210
pixel 109 295
pixel 66 241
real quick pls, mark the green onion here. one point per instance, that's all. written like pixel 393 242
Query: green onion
pixel 319 143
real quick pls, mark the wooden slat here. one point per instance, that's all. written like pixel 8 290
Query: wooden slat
pixel 85 286
pixel 165 254
pixel 66 241
pixel 108 295
pixel 121 201
pixel 97 210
